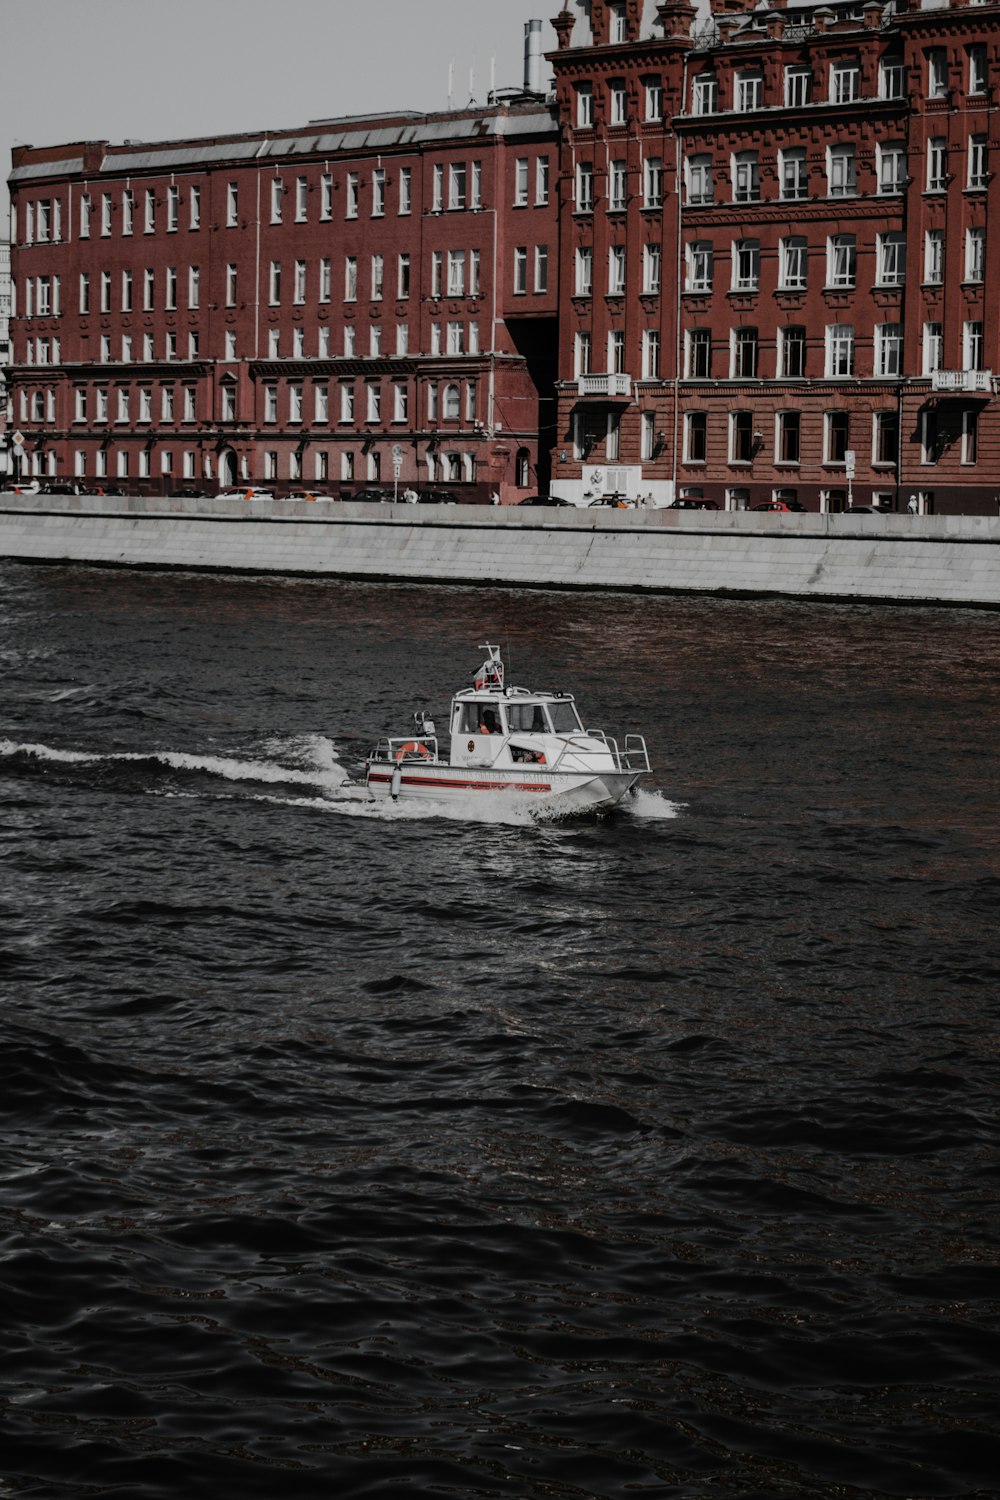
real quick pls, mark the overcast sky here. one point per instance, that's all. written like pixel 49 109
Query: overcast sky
pixel 161 69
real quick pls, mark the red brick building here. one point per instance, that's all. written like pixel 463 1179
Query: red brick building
pixel 740 257
pixel 299 310
pixel 776 229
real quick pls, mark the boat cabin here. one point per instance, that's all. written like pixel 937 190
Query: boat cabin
pixel 511 726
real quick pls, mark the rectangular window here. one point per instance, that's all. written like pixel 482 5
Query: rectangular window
pixel 351 278
pixel 972 345
pixel 581 354
pixel 695 437
pixel 541 268
pixel 746 177
pixel 402 338
pixel 798 86
pixel 583 272
pixel 885 438
pixel 618 104
pixel 653 182
pixel 194 207
pixel 653 96
pixel 977 68
pixel 934 257
pixel 839 349
pixel 937 164
pixel 937 72
pixel 294 401
pixel 476 185
pixel 892 167
pixel 889 349
pixel 403 277
pixel 126 291
pixel 85 208
pixel 746 265
pixel 977 173
pixel 456 273
pixel 352 191
pixel 277 198
pixel 274 283
pixel 836 436
pixel 616 271
pixel 457 185
pixel 793 173
pixel 704 94
pixel 652 259
pixel 617 186
pixel 406 190
pixel 128 211
pixel 190 404
pixel 520 271
pixel 521 182
pixel 618 24
pixel 929 437
pixel 744 354
pixel 794 253
pixel 970 437
pixel 301 199
pixel 749 91
pixel 378 277
pixel 321 402
pixel 975 254
pixel 890 254
pixel 173 209
pixel 841 175
pixel 699 179
pixel 325 278
pixel 84 292
pixel 584 105
pixel 43 226
pixel 584 188
pixel 378 192
pixel 787 448
pixel 650 354
pixel 232 205
pixel 437 270
pixel 326 196
pixel 841 261
pixel 698 358
pixel 194 288
pixel 105 291
pixel 374 400
pixel 891 78
pixel 845 81
pixel 699 257
pixel 741 438
pixel 933 353
pixel 616 351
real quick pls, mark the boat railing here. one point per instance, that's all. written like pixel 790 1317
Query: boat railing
pixel 636 756
pixel 406 747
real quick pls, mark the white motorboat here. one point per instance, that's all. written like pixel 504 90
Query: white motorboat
pixel 509 740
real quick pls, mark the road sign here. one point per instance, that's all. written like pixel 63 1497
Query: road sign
pixel 396 469
pixel 18 439
pixel 397 453
pixel 849 463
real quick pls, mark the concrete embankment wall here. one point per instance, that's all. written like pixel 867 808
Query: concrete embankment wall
pixel 947 559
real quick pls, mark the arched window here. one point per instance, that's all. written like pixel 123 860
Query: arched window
pixel 452 403
pixel 523 468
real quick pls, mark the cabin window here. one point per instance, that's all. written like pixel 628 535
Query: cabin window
pixel 479 718
pixel 527 718
pixel 564 717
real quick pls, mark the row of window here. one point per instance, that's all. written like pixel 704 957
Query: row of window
pixel 454 186
pixel 791 352
pixel 745 90
pixel 442 468
pixel 745 439
pixel 450 401
pixel 454 337
pixel 840 261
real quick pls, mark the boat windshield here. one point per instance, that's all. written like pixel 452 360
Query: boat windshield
pixel 565 719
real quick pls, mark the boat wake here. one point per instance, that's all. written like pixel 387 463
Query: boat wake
pixel 316 766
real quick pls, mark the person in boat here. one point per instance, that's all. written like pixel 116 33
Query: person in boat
pixel 488 723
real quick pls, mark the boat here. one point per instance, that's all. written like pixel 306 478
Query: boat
pixel 512 741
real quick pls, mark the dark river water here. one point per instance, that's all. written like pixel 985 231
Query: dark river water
pixel 352 1151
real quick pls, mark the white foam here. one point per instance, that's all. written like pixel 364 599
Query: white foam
pixel 651 806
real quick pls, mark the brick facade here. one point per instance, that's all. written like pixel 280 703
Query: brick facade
pixel 293 309
pixel 743 256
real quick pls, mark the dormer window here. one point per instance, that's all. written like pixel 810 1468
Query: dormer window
pixel 618 27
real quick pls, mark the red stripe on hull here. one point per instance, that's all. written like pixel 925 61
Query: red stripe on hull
pixel 453 784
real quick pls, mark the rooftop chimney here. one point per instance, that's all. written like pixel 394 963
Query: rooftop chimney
pixel 533 57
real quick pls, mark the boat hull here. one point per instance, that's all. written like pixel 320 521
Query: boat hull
pixel 572 791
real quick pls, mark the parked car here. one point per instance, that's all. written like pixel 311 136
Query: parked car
pixel 544 500
pixel 616 502
pixel 304 495
pixel 378 497
pixel 688 502
pixel 436 497
pixel 247 492
pixel 785 505
pixel 59 488
pixel 862 510
pixel 188 494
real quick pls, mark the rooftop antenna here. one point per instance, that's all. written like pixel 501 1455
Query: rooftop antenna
pixel 451 81
pixel 493 78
